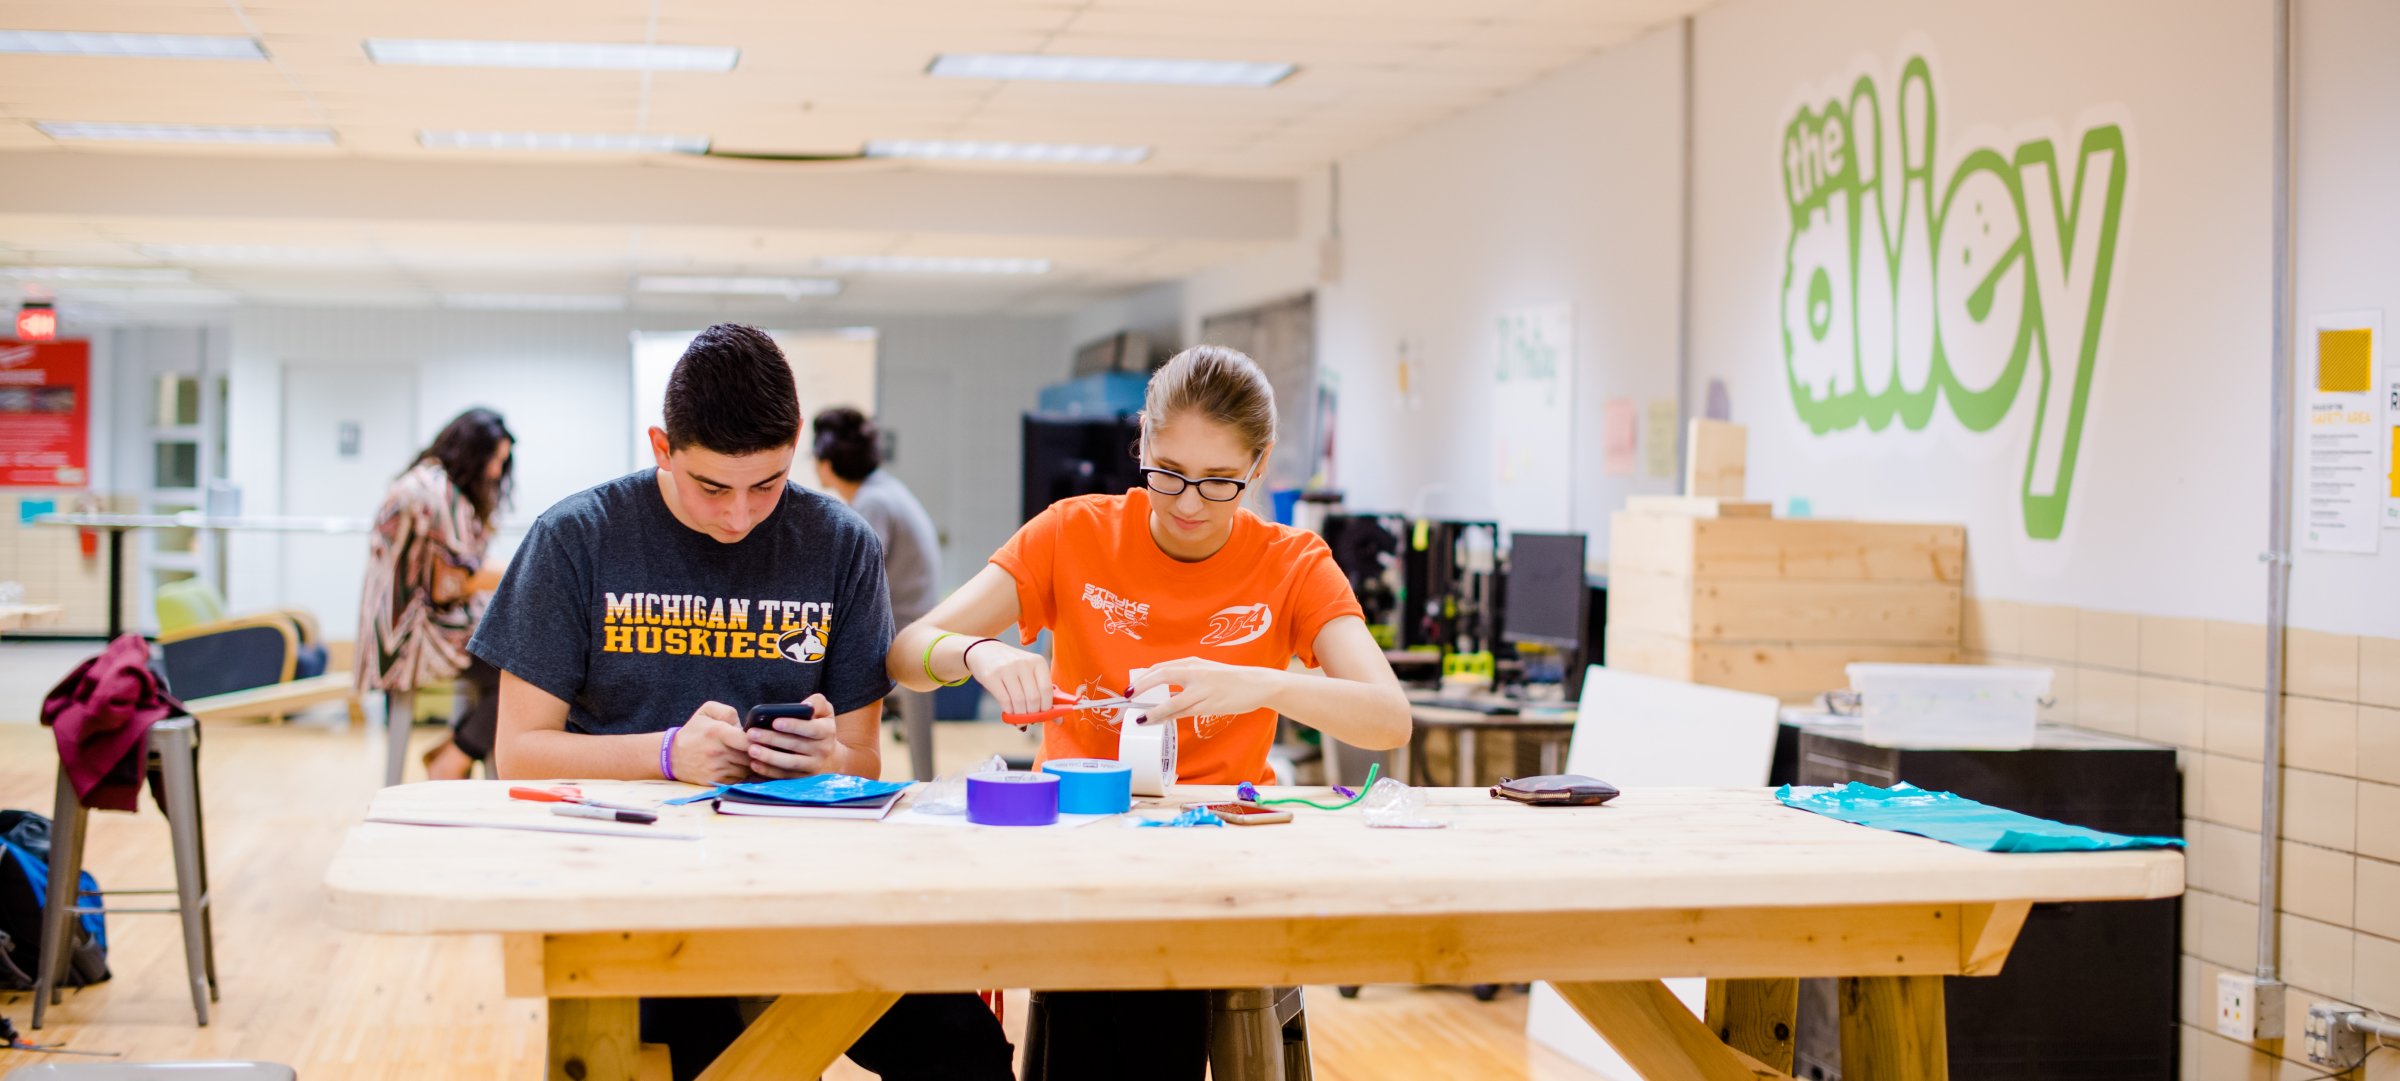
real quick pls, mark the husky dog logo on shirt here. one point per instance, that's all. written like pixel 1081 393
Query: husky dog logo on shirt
pixel 804 644
pixel 1238 625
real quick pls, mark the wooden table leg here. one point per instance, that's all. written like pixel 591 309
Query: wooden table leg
pixel 1756 1017
pixel 595 1039
pixel 1658 1036
pixel 800 1035
pixel 1893 1029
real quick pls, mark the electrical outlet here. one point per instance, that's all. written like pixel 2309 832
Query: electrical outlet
pixel 2331 1040
pixel 2237 1006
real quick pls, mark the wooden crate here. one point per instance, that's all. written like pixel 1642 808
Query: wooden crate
pixel 1778 606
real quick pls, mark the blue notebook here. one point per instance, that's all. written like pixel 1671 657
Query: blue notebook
pixel 822 790
pixel 1953 819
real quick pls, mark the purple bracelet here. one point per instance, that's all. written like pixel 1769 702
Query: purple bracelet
pixel 666 753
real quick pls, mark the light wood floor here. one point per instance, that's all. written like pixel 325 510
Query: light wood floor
pixel 340 1005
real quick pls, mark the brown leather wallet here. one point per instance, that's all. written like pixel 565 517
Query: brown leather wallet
pixel 1556 790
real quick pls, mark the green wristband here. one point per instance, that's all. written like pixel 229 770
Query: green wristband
pixel 937 680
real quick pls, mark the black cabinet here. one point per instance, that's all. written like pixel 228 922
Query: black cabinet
pixel 2089 992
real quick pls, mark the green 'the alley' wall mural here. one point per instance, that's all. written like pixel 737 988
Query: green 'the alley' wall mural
pixel 1910 284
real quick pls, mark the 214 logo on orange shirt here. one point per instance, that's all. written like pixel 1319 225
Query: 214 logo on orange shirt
pixel 1238 625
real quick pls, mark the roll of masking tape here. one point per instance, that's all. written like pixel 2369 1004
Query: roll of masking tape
pixel 1148 748
pixel 1012 798
pixel 1092 786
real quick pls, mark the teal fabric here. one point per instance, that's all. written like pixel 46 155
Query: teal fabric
pixel 1952 819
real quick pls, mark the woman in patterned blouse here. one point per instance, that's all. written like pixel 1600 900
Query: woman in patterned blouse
pixel 426 581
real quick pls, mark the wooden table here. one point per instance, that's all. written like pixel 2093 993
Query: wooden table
pixel 839 918
pixel 18 616
pixel 117 525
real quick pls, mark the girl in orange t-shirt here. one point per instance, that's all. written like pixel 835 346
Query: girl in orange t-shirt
pixel 1177 578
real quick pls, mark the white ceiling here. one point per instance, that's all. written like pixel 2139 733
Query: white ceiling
pixel 814 77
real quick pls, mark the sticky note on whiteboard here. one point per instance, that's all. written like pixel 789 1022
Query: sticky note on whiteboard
pixel 2345 361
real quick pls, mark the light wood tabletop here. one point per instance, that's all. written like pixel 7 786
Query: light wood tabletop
pixel 16 616
pixel 841 916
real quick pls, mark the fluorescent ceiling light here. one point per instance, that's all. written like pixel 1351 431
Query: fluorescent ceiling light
pixel 583 55
pixel 155 46
pixel 603 142
pixel 261 254
pixel 930 264
pixel 535 302
pixel 79 295
pixel 132 275
pixel 790 288
pixel 185 133
pixel 978 150
pixel 1108 69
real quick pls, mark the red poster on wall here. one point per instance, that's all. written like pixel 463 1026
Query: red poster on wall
pixel 45 414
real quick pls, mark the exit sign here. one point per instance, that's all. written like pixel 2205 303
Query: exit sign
pixel 36 323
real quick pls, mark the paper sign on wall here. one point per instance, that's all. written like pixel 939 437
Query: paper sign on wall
pixel 1621 436
pixel 1658 441
pixel 45 414
pixel 1532 423
pixel 2344 485
pixel 2391 461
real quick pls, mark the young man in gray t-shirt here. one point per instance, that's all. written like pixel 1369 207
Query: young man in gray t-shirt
pixel 641 618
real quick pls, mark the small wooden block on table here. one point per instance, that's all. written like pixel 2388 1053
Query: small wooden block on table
pixel 1719 883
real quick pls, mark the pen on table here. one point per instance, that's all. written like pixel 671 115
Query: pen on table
pixel 604 814
pixel 565 794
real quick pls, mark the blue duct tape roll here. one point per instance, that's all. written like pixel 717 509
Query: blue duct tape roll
pixel 1012 798
pixel 1092 786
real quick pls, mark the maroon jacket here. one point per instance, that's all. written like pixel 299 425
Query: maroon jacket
pixel 101 714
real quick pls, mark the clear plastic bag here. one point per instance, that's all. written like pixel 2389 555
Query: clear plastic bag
pixel 1392 805
pixel 947 794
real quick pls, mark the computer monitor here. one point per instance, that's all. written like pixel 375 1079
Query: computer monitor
pixel 1546 597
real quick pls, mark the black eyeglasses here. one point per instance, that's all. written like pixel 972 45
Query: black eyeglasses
pixel 1213 489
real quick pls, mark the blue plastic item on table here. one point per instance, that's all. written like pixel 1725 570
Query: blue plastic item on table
pixel 1192 816
pixel 817 791
pixel 1954 819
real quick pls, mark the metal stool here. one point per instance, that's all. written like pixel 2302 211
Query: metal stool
pixel 1258 1034
pixel 399 718
pixel 175 756
pixel 1254 1034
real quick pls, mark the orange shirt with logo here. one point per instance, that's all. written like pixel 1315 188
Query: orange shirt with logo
pixel 1088 570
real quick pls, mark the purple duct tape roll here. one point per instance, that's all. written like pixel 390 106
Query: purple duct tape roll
pixel 1012 798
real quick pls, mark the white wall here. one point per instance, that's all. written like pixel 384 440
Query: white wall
pixel 562 381
pixel 1564 192
pixel 2167 509
pixel 2348 252
pixel 1155 312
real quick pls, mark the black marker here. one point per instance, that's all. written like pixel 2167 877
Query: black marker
pixel 604 814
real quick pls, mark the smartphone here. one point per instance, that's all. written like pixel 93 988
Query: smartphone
pixel 764 714
pixel 1246 814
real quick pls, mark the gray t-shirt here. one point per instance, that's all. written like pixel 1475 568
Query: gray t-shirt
pixel 635 619
pixel 912 549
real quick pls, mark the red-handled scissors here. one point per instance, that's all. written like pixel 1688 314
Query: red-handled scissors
pixel 1066 703
pixel 565 793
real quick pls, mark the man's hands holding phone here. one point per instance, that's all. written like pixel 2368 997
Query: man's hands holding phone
pixel 784 741
pixel 717 746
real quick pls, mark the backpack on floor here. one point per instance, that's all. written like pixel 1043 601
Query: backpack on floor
pixel 24 889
